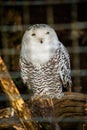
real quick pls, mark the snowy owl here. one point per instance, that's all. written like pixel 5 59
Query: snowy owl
pixel 44 62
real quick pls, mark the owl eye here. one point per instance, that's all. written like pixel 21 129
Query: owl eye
pixel 33 34
pixel 47 32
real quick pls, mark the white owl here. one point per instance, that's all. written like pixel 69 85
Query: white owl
pixel 44 62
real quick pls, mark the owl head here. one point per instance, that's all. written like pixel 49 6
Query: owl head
pixel 39 43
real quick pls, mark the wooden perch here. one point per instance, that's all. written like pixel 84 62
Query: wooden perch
pixel 7 121
pixel 69 112
pixel 17 102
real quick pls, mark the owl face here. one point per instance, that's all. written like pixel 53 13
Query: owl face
pixel 39 43
pixel 40 34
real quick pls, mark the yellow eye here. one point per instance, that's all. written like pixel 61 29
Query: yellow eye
pixel 47 32
pixel 33 34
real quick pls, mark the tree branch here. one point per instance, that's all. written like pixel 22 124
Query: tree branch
pixel 17 102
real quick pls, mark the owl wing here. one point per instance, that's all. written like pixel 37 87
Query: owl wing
pixel 64 67
pixel 24 67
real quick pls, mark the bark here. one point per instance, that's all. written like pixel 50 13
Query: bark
pixel 17 102
pixel 70 112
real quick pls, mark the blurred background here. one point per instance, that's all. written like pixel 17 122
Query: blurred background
pixel 67 17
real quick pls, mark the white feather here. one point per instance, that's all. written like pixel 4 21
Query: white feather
pixel 36 52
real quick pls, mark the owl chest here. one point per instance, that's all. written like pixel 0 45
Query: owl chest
pixel 44 76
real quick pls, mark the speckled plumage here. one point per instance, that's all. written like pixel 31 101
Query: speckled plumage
pixel 44 62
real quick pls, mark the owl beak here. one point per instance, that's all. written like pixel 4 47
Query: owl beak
pixel 41 41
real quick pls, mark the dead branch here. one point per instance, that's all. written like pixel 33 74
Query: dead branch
pixel 69 111
pixel 17 102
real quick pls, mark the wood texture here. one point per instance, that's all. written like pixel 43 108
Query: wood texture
pixel 17 102
pixel 70 112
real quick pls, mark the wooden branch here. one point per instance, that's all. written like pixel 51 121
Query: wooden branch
pixel 6 121
pixel 17 102
pixel 72 103
pixel 69 111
